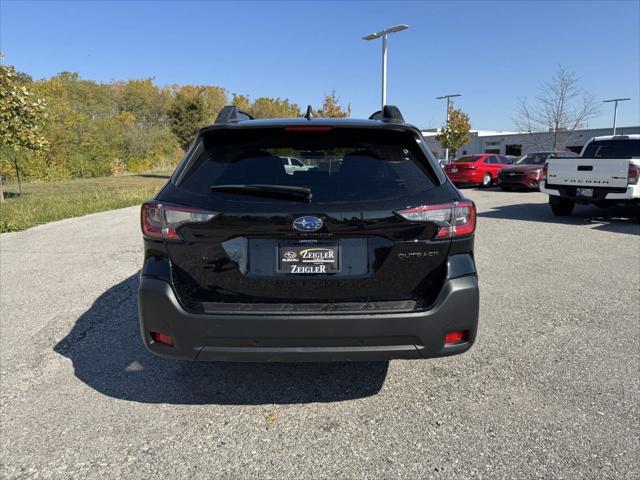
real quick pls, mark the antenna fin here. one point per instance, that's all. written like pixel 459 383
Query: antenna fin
pixel 309 115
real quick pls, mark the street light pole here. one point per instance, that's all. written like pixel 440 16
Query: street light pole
pixel 448 97
pixel 384 70
pixel 384 34
pixel 615 109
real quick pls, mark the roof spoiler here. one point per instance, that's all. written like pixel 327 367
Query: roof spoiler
pixel 231 114
pixel 389 113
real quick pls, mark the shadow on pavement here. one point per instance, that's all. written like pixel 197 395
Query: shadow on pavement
pixel 614 219
pixel 109 356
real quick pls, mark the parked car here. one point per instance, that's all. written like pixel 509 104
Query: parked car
pixel 476 169
pixel 527 172
pixel 292 165
pixel 605 174
pixel 371 259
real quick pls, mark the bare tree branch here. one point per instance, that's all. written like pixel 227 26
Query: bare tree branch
pixel 561 107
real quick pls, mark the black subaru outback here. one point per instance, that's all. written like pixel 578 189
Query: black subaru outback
pixel 308 239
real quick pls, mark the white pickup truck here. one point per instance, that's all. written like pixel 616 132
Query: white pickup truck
pixel 606 173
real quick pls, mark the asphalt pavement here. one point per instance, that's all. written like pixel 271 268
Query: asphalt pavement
pixel 550 390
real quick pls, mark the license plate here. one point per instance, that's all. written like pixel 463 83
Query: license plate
pixel 584 192
pixel 454 170
pixel 309 258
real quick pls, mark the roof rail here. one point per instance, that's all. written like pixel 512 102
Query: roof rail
pixel 389 113
pixel 231 114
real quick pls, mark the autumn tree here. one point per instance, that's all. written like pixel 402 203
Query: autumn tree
pixel 455 132
pixel 561 107
pixel 21 117
pixel 331 107
pixel 266 107
pixel 241 101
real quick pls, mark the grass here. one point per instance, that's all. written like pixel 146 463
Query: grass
pixel 43 202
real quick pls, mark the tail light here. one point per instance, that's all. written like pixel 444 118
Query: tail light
pixel 457 219
pixel 545 169
pixel 633 174
pixel 454 338
pixel 161 221
pixel 163 338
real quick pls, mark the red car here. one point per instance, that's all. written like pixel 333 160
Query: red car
pixel 476 169
pixel 527 172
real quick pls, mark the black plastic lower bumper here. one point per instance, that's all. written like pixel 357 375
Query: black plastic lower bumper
pixel 309 337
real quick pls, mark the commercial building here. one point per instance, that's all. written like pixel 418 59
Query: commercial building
pixel 514 143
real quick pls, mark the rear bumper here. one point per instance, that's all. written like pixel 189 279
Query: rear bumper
pixel 309 337
pixel 631 193
pixel 520 182
pixel 467 178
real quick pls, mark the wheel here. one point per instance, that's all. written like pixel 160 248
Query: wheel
pixel 505 188
pixel 561 207
pixel 486 180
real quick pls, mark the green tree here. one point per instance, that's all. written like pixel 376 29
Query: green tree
pixel 187 114
pixel 264 107
pixel 21 117
pixel 242 102
pixel 455 132
pixel 331 107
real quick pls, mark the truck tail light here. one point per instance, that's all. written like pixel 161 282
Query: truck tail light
pixel 633 174
pixel 545 169
pixel 457 219
pixel 161 221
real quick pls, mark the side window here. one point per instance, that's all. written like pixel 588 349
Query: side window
pixel 504 160
pixel 296 162
pixel 488 160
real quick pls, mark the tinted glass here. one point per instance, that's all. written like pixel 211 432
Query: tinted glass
pixel 469 159
pixel 613 149
pixel 534 158
pixel 342 164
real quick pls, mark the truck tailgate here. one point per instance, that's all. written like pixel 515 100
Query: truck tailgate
pixel 592 172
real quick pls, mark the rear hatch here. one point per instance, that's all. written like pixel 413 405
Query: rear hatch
pixel 327 236
pixel 604 163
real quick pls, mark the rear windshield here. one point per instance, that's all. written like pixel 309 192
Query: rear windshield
pixel 613 149
pixel 467 159
pixel 534 158
pixel 336 165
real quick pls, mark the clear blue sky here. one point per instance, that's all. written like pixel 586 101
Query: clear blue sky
pixel 492 52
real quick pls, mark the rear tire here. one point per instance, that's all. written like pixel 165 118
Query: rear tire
pixel 486 180
pixel 561 207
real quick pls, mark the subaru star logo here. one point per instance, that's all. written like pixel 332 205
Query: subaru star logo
pixel 307 224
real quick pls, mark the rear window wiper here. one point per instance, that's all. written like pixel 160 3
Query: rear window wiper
pixel 264 190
